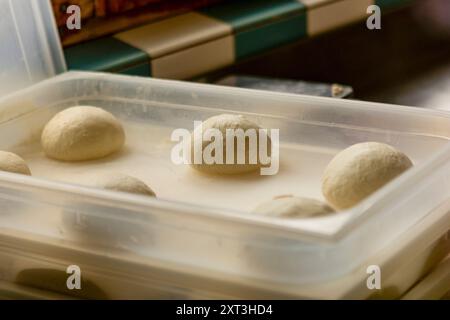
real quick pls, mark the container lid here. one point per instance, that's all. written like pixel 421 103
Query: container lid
pixel 30 49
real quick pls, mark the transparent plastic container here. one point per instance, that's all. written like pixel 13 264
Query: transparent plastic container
pixel 200 227
pixel 435 286
pixel 198 239
pixel 30 50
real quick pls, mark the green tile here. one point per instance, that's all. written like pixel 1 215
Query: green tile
pixel 105 54
pixel 142 70
pixel 269 36
pixel 247 14
pixel 392 3
pixel 259 25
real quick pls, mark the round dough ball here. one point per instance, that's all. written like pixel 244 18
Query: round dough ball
pixel 360 170
pixel 125 183
pixel 82 133
pixel 11 162
pixel 293 208
pixel 223 122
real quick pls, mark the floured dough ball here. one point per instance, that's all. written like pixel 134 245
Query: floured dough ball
pixel 86 227
pixel 360 170
pixel 125 183
pixel 293 208
pixel 222 122
pixel 11 162
pixel 82 133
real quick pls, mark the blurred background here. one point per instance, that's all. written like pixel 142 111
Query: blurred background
pixel 407 62
pixel 312 44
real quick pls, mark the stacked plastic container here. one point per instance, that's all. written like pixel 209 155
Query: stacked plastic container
pixel 198 239
pixel 434 286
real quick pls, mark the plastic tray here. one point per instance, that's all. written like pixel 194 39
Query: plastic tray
pixel 202 223
pixel 125 275
pixel 436 285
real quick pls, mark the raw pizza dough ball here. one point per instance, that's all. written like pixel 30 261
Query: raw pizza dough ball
pixel 360 170
pixel 89 228
pixel 124 183
pixel 222 123
pixel 11 162
pixel 82 133
pixel 293 208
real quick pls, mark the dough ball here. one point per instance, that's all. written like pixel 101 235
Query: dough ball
pixel 222 123
pixel 90 229
pixel 82 133
pixel 124 183
pixel 11 162
pixel 293 208
pixel 360 170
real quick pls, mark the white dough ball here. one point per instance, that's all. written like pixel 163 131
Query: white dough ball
pixel 222 123
pixel 358 171
pixel 125 183
pixel 82 133
pixel 11 162
pixel 293 208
